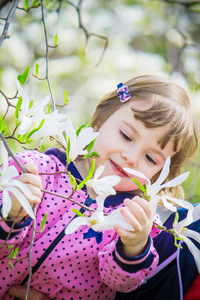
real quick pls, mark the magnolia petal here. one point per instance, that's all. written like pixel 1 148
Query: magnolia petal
pixel 154 203
pixel 51 126
pixel 192 234
pixel 100 187
pixel 176 181
pixel 136 173
pixel 23 201
pixel 168 205
pixel 8 174
pixel 164 173
pixel 115 218
pixel 100 201
pixel 111 180
pixel 98 172
pixel 39 105
pixel 25 98
pixel 6 204
pixel 75 224
pixel 196 213
pixel 62 140
pixel 86 136
pixel 4 156
pixel 22 187
pixel 193 249
pixel 70 131
pixel 25 125
pixel 187 221
pixel 180 202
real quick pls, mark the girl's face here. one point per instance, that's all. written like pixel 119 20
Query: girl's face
pixel 125 142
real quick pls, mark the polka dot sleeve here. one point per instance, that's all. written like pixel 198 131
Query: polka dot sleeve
pixel 129 273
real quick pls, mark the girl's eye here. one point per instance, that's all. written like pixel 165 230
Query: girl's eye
pixel 126 137
pixel 151 160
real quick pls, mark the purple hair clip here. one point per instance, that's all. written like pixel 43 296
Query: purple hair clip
pixel 122 92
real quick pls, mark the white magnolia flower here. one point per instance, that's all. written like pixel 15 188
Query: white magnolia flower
pixel 103 186
pixel 53 124
pixel 185 234
pixel 8 184
pixel 153 189
pixel 26 114
pixel 77 143
pixel 98 221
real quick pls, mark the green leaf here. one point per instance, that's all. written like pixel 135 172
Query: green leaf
pixel 175 242
pixel 160 227
pixel 22 138
pixel 35 2
pixel 68 150
pixel 80 128
pixel 43 222
pixel 31 103
pixel 89 147
pixel 18 106
pixel 56 39
pixel 42 147
pixel 3 127
pixel 77 212
pixel 35 129
pixel 26 5
pixel 89 176
pixel 36 69
pixel 72 181
pixel 13 254
pixel 176 218
pixel 11 247
pixel 22 78
pixel 66 100
pixel 141 187
pixel 81 184
pixel 49 108
pixel 91 154
pixel 91 171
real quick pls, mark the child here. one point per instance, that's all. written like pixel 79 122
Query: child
pixel 139 128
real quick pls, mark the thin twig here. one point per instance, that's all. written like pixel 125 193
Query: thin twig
pixel 47 55
pixel 68 198
pixel 8 20
pixel 86 32
pixel 11 154
pixel 30 252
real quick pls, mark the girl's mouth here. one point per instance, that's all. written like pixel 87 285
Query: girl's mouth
pixel 118 169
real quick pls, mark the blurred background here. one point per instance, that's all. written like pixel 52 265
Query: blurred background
pixel 144 37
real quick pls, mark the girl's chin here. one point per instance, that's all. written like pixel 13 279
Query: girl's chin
pixel 119 188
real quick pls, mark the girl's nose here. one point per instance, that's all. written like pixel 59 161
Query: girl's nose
pixel 130 160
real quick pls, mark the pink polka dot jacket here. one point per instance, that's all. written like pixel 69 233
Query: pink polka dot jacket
pixel 69 266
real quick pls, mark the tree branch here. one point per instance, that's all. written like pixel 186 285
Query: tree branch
pixel 8 20
pixel 85 30
pixel 47 54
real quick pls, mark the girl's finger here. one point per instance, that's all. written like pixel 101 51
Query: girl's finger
pixel 34 190
pixel 20 292
pixel 131 219
pixel 137 210
pixel 123 233
pixel 32 179
pixel 31 168
pixel 143 206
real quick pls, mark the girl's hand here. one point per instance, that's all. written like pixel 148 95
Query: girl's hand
pixel 34 183
pixel 141 219
pixel 19 291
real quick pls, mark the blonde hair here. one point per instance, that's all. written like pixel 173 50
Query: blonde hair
pixel 170 106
